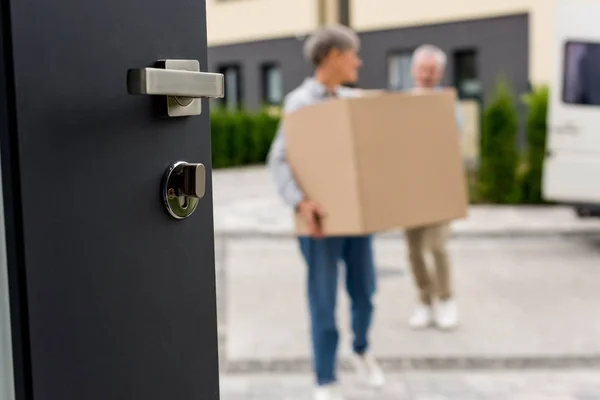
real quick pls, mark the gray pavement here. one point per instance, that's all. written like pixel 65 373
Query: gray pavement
pixel 526 281
pixel 246 204
pixel 522 301
pixel 540 385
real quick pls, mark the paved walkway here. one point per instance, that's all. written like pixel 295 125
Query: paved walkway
pixel 522 301
pixel 526 281
pixel 246 203
pixel 543 385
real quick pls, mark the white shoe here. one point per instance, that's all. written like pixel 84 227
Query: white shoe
pixel 446 315
pixel 422 317
pixel 328 392
pixel 368 369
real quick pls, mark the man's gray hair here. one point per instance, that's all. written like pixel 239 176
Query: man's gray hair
pixel 429 50
pixel 325 39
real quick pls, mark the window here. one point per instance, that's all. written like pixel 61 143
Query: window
pixel 272 84
pixel 466 74
pixel 233 87
pixel 399 65
pixel 581 73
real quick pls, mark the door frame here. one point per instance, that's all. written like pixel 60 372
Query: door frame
pixel 12 225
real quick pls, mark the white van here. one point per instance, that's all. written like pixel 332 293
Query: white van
pixel 572 165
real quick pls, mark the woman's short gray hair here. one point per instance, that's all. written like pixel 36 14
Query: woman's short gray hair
pixel 428 50
pixel 325 39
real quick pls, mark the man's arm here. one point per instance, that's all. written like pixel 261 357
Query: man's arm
pixel 278 164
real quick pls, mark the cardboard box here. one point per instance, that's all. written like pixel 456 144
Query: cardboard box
pixel 381 162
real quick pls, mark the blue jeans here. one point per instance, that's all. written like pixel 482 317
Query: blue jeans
pixel 323 257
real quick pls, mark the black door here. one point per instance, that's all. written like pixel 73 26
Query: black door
pixel 111 297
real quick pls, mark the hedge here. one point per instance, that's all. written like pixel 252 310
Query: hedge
pixel 243 138
pixel 499 154
pixel 537 105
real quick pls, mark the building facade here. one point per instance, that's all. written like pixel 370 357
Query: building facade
pixel 257 44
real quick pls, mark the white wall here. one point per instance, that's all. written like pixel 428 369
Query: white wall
pixel 234 21
pixel 382 14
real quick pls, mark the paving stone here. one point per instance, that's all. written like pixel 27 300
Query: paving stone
pixel 526 299
pixel 408 386
pixel 246 203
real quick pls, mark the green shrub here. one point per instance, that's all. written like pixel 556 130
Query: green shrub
pixel 499 155
pixel 265 131
pixel 239 127
pixel 537 103
pixel 240 138
pixel 219 139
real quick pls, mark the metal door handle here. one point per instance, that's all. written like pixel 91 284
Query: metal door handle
pixel 169 82
pixel 180 81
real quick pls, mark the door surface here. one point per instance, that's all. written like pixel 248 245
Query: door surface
pixel 573 161
pixel 111 297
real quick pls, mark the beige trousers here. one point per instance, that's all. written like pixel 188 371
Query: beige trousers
pixel 432 240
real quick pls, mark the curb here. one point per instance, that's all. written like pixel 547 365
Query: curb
pixel 482 234
pixel 401 364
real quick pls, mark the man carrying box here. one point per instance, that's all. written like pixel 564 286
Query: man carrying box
pixel 333 52
pixel 428 67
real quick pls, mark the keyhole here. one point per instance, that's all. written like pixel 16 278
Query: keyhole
pixel 183 202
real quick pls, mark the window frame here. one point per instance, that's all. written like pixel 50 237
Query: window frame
pixel 409 51
pixel 222 69
pixel 265 67
pixel 563 78
pixel 456 78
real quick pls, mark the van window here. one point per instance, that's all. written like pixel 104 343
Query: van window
pixel 581 73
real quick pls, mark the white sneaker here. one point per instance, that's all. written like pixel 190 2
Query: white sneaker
pixel 446 315
pixel 328 392
pixel 422 317
pixel 368 369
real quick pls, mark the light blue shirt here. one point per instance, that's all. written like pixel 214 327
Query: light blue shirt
pixel 308 93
